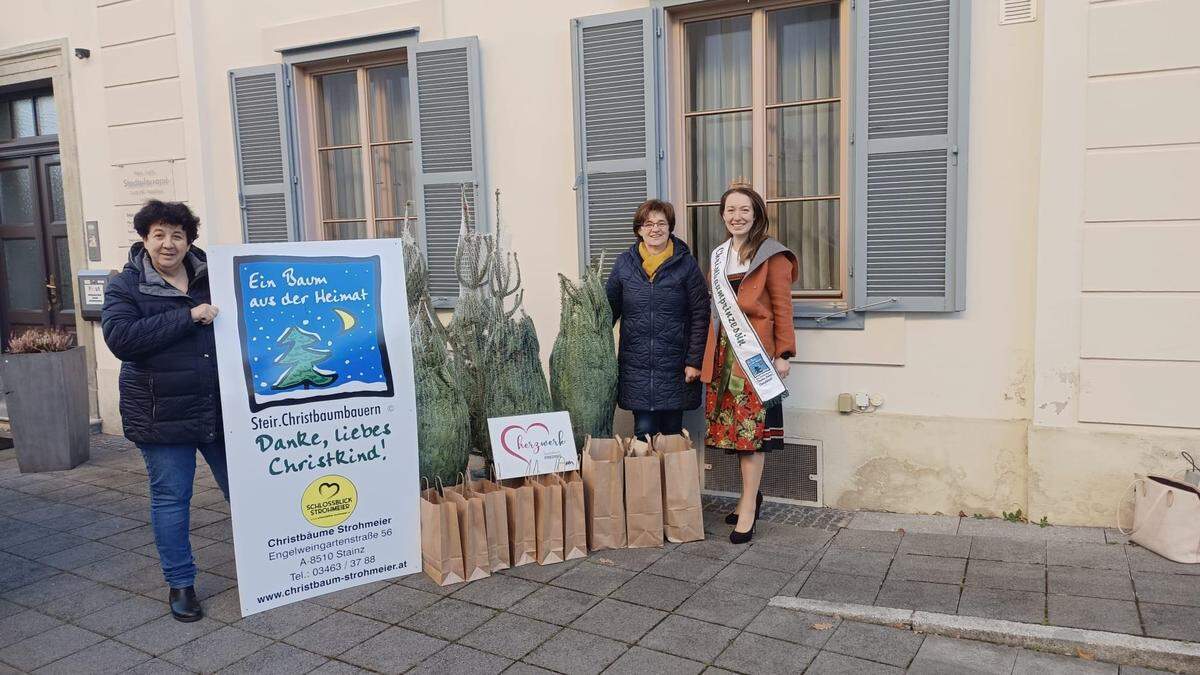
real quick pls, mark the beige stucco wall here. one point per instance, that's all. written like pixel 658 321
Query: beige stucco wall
pixel 1118 291
pixel 961 389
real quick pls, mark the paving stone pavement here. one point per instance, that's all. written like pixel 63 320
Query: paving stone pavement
pixel 81 592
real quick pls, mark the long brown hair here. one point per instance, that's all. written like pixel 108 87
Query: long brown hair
pixel 758 230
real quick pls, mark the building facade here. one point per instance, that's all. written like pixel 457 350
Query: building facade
pixel 992 202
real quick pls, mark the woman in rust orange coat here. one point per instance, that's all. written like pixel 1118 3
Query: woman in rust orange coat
pixel 751 277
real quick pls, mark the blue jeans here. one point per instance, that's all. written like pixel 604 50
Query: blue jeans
pixel 651 422
pixel 172 469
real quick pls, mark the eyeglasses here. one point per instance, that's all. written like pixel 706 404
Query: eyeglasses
pixel 655 225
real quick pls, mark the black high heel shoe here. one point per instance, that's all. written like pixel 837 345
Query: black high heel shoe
pixel 736 537
pixel 732 518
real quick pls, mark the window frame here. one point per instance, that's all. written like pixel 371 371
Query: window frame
pixel 307 99
pixel 807 306
pixel 301 131
pixel 32 91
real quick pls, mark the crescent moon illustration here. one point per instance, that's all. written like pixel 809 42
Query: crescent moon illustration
pixel 348 320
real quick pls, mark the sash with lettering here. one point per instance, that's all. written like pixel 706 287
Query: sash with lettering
pixel 755 361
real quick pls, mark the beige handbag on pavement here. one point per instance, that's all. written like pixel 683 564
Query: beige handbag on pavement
pixel 1166 518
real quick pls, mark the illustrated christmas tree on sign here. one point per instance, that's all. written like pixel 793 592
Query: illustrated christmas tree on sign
pixel 301 359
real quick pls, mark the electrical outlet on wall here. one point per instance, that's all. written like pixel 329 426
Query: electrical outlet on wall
pixel 845 403
pixel 858 402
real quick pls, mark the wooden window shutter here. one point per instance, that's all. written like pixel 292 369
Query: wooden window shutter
pixel 448 142
pixel 910 154
pixel 619 152
pixel 262 143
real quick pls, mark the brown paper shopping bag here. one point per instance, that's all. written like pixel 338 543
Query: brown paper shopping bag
pixel 522 525
pixel 682 518
pixel 643 496
pixel 472 529
pixel 548 518
pixel 604 492
pixel 574 515
pixel 495 515
pixel 441 544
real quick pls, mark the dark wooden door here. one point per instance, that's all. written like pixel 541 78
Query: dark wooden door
pixel 34 264
pixel 60 283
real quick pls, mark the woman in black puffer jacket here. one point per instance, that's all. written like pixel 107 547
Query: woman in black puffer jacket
pixel 658 293
pixel 157 319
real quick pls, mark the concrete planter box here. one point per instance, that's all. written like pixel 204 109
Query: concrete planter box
pixel 47 408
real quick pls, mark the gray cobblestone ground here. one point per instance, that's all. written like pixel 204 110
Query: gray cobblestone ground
pixel 786 514
pixel 81 592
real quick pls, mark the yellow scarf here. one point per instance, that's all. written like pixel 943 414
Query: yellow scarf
pixel 651 262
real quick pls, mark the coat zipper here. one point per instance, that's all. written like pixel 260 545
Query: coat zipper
pixel 651 282
pixel 651 343
pixel 153 401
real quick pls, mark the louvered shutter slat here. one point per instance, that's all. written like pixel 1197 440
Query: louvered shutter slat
pixel 448 139
pixel 616 127
pixel 261 142
pixel 910 155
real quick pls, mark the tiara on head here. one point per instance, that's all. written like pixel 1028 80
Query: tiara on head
pixel 740 182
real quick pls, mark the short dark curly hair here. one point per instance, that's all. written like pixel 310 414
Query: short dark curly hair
pixel 170 213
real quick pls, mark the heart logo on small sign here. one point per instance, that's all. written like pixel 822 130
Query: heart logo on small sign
pixel 509 448
pixel 331 488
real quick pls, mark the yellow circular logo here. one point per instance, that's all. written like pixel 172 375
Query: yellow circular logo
pixel 329 500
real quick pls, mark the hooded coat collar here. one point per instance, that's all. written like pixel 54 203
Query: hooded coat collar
pixel 768 248
pixel 152 283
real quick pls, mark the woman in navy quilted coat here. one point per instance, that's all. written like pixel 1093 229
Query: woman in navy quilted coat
pixel 157 319
pixel 659 295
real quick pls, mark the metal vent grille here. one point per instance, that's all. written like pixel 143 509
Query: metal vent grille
pixel 1018 11
pixel 266 218
pixel 443 221
pixel 909 71
pixel 612 199
pixel 256 100
pixel 444 102
pixel 793 473
pixel 906 224
pixel 614 97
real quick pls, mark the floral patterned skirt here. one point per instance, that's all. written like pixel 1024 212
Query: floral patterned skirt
pixel 737 420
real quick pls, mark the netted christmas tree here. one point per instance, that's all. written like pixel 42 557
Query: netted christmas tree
pixel 443 427
pixel 583 365
pixel 493 340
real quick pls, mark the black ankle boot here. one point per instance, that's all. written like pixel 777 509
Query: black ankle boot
pixel 731 519
pixel 184 604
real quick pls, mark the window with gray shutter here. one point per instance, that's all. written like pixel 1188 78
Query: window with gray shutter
pixel 910 136
pixel 448 136
pixel 618 148
pixel 264 165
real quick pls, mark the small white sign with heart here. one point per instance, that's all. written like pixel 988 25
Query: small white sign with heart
pixel 528 445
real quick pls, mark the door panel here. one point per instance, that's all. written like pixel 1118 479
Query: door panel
pixel 59 279
pixel 23 302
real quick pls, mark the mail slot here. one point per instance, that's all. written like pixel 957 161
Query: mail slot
pixel 91 284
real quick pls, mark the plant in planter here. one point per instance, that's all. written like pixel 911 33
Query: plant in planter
pixel 583 365
pixel 46 382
